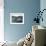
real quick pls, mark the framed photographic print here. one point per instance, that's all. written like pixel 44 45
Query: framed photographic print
pixel 16 18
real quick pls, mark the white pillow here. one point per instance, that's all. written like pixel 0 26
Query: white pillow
pixel 21 42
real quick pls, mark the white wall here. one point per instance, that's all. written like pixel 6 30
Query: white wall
pixel 1 20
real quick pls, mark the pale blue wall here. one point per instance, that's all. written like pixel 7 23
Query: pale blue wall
pixel 28 7
pixel 43 6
